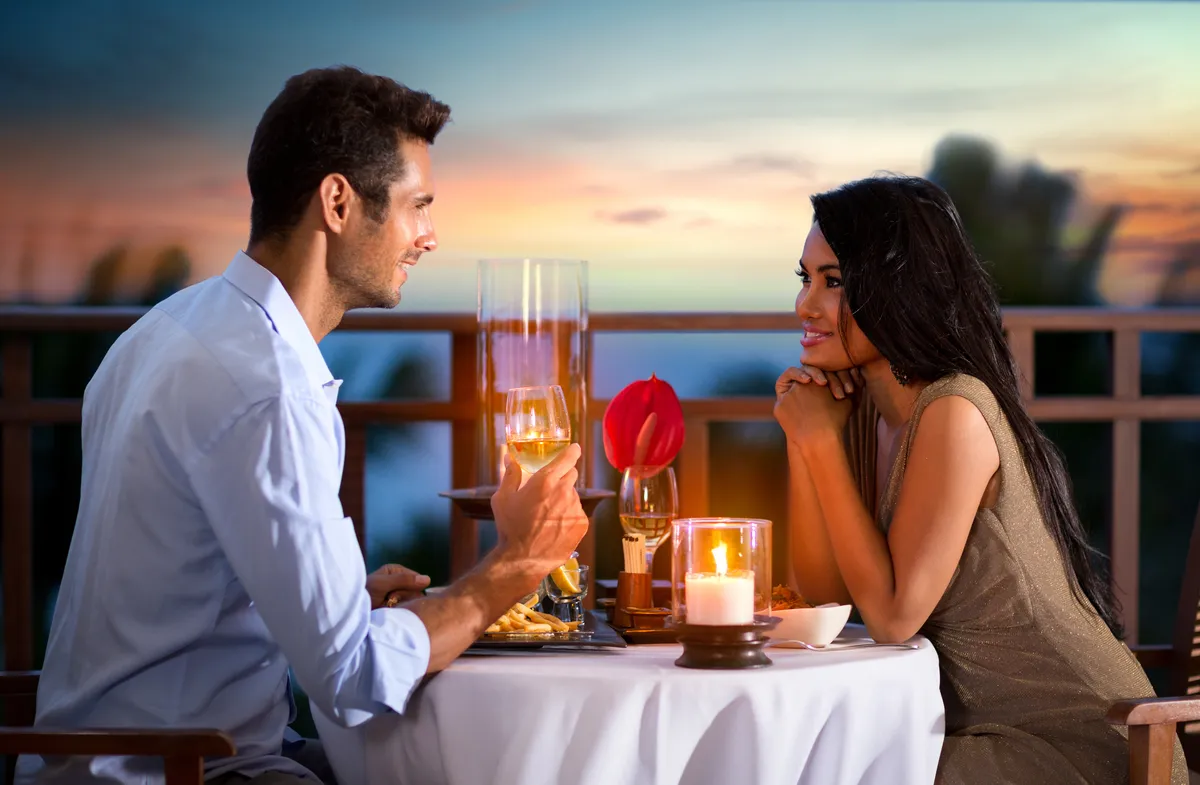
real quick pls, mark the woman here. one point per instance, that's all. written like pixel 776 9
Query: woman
pixel 946 511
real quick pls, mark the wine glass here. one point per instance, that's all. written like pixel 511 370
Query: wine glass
pixel 537 425
pixel 648 502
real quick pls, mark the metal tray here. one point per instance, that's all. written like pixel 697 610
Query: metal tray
pixel 596 635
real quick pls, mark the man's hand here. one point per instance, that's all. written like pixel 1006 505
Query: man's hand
pixel 392 585
pixel 539 525
pixel 541 522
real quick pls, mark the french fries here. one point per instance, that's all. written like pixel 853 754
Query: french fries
pixel 520 619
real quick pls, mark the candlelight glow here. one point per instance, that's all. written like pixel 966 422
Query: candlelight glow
pixel 720 559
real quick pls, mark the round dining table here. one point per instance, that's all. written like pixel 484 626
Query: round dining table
pixel 870 715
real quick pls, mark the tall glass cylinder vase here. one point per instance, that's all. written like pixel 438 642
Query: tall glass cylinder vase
pixel 720 570
pixel 532 332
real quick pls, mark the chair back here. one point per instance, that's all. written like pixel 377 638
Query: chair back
pixel 1185 646
pixel 18 705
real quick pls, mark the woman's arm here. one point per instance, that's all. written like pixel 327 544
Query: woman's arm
pixel 897 581
pixel 814 570
pixel 812 567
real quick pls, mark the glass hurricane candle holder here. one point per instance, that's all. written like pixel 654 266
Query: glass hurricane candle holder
pixel 720 570
pixel 532 331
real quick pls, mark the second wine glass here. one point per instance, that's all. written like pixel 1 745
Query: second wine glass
pixel 648 502
pixel 537 425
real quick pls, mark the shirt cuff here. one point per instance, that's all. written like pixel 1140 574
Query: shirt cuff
pixel 400 653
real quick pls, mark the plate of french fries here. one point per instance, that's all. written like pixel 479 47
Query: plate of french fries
pixel 521 619
pixel 523 626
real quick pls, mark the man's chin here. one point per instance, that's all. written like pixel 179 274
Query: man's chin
pixel 389 299
pixel 383 301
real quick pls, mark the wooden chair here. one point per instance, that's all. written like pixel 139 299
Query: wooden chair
pixel 182 750
pixel 1154 722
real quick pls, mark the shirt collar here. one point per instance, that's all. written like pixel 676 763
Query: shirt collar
pixel 260 285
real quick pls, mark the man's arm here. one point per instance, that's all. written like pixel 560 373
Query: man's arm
pixel 268 484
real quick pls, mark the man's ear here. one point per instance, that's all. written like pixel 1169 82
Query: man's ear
pixel 335 194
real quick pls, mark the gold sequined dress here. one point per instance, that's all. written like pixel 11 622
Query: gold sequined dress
pixel 1028 671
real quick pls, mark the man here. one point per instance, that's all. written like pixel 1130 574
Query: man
pixel 210 551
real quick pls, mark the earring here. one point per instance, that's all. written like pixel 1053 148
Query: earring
pixel 901 376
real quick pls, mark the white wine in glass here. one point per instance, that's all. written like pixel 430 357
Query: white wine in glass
pixel 537 425
pixel 652 526
pixel 648 502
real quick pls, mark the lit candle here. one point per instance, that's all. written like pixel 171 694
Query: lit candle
pixel 720 598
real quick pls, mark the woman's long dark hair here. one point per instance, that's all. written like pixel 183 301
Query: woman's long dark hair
pixel 919 293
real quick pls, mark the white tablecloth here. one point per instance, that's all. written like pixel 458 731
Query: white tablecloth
pixel 630 716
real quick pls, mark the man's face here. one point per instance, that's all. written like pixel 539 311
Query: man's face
pixel 371 264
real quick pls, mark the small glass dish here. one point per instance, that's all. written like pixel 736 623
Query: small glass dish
pixel 564 589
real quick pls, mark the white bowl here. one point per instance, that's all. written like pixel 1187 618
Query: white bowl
pixel 815 626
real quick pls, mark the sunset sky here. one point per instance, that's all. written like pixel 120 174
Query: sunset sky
pixel 673 145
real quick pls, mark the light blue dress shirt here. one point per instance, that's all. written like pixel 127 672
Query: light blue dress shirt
pixel 210 551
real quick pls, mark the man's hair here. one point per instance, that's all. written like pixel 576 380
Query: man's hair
pixel 333 120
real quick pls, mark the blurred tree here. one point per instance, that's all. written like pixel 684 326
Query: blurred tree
pixel 1181 284
pixel 1019 219
pixel 413 376
pixel 1170 451
pixel 170 273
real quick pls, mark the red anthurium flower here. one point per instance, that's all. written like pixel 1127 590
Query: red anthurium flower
pixel 643 425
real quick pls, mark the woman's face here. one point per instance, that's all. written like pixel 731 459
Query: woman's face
pixel 818 304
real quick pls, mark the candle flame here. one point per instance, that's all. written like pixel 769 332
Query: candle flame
pixel 721 561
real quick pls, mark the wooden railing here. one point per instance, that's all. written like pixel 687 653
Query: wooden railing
pixel 1126 409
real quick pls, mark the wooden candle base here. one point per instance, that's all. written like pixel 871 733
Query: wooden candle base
pixel 733 647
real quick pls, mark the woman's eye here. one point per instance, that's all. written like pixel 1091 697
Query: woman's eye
pixel 804 277
pixel 833 283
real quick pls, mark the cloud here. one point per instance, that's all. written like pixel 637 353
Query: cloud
pixel 448 12
pixel 690 111
pixel 219 188
pixel 645 216
pixel 596 189
pixel 768 162
pixel 1169 156
pixel 1178 208
pixel 754 164
pixel 140 58
pixel 1193 171
pixel 638 216
pixel 1147 245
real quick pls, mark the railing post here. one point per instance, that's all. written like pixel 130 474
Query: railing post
pixel 1020 342
pixel 1126 480
pixel 464 531
pixel 18 505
